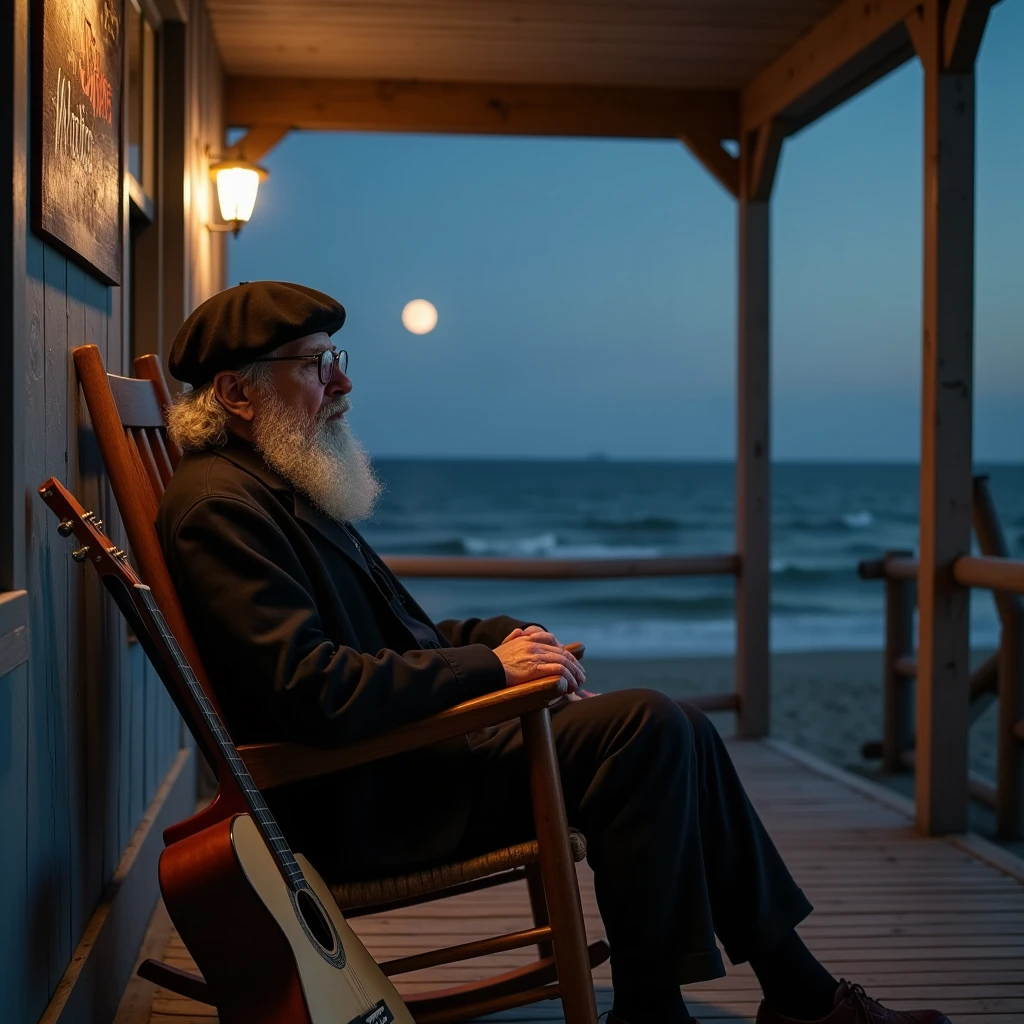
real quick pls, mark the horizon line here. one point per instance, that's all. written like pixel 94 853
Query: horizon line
pixel 599 459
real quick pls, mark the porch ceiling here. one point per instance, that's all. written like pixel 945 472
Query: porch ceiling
pixel 675 44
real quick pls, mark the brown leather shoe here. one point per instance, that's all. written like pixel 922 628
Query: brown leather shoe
pixel 854 1006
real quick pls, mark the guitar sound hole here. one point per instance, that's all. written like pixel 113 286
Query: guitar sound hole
pixel 315 919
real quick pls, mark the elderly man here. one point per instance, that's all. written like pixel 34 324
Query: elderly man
pixel 308 636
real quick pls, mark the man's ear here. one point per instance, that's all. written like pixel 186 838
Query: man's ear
pixel 231 393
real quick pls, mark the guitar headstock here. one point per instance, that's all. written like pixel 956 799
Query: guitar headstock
pixel 87 529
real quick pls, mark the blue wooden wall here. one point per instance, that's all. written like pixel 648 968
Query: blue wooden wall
pixel 87 733
pixel 100 733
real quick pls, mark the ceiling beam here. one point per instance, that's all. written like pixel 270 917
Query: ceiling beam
pixel 256 142
pixel 849 49
pixel 479 108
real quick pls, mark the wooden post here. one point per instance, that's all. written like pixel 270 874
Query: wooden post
pixel 759 154
pixel 172 211
pixel 898 699
pixel 943 681
pixel 1009 750
pixel 560 884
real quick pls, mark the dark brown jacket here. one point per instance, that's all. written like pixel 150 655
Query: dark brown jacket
pixel 302 643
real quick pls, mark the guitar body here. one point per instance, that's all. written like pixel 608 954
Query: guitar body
pixel 268 956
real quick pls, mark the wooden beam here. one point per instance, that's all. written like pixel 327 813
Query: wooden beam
pixel 172 210
pixel 962 31
pixel 765 153
pixel 721 165
pixel 914 23
pixel 753 457
pixel 173 10
pixel 943 690
pixel 479 108
pixel 256 143
pixel 847 50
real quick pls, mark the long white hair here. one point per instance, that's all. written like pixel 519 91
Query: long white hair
pixel 317 455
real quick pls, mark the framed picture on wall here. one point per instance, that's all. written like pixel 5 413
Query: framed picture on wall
pixel 76 136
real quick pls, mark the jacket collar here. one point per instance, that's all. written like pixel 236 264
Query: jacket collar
pixel 245 456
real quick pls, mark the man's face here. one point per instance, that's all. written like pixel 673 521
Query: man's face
pixel 297 384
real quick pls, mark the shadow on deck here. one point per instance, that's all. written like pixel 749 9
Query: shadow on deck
pixel 917 921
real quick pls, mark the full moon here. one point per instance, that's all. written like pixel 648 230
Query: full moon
pixel 419 316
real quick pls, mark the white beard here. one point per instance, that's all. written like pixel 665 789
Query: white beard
pixel 321 459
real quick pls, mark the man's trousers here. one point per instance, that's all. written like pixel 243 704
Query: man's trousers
pixel 678 852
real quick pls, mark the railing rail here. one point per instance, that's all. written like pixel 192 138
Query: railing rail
pixel 462 567
pixel 1002 674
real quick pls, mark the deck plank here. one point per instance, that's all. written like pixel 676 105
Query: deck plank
pixel 917 921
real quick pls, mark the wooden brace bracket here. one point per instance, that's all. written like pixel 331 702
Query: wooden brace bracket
pixel 721 165
pixel 256 143
pixel 765 148
pixel 961 33
pixel 962 29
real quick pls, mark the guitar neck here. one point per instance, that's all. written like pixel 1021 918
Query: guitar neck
pixel 258 808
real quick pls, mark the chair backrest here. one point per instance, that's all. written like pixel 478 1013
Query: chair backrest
pixel 148 367
pixel 128 421
pixel 142 421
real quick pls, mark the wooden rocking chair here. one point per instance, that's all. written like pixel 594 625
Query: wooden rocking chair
pixel 128 419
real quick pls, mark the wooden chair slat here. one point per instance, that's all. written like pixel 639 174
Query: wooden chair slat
pixel 136 402
pixel 148 367
pixel 156 482
pixel 160 453
pixel 142 475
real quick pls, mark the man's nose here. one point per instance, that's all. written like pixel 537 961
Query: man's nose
pixel 339 384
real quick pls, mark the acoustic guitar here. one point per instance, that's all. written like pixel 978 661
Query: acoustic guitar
pixel 259 921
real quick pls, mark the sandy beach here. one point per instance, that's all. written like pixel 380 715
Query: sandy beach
pixel 826 702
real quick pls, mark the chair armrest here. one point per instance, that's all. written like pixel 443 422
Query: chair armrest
pixel 275 764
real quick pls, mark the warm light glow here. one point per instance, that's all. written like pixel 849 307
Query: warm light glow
pixel 419 316
pixel 237 184
pixel 236 191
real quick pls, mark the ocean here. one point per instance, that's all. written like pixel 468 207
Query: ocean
pixel 826 518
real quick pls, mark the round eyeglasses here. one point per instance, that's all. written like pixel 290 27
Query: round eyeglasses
pixel 325 362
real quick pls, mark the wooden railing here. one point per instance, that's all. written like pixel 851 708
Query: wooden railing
pixel 1000 676
pixel 457 567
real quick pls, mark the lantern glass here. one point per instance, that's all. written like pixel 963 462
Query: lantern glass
pixel 236 192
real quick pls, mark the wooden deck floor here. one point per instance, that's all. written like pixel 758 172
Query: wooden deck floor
pixel 916 921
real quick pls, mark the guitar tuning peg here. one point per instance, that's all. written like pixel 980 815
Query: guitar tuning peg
pixel 65 527
pixel 80 554
pixel 98 523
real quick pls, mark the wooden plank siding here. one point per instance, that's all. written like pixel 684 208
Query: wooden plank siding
pixel 918 921
pixel 88 736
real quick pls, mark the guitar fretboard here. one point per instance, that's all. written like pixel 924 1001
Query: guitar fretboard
pixel 268 827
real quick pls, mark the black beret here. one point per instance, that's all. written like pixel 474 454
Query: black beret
pixel 243 323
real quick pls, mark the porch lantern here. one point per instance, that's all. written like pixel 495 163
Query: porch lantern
pixel 237 184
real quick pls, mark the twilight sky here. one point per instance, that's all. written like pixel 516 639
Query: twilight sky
pixel 586 288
